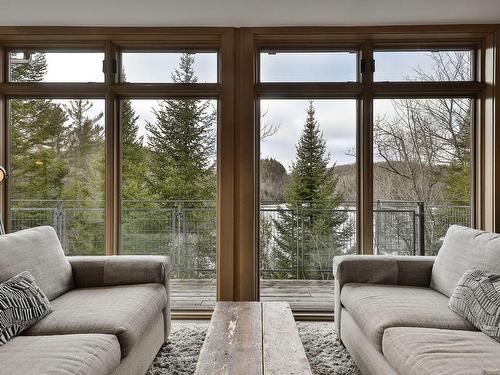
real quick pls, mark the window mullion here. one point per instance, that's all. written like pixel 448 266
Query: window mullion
pixel 365 157
pixel 112 158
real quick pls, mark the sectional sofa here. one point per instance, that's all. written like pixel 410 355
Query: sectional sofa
pixel 392 313
pixel 111 313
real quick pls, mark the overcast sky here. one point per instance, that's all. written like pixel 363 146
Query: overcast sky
pixel 337 118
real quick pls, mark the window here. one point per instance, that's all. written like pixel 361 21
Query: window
pixel 163 67
pixel 43 66
pixel 57 170
pixel 421 173
pixel 250 157
pixel 307 197
pixel 308 66
pixel 431 65
pixel 169 185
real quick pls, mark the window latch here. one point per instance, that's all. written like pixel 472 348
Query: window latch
pixel 115 66
pixel 363 66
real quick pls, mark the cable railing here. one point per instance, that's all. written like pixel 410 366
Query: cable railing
pixel 297 241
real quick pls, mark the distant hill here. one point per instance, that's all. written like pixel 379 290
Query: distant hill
pixel 273 179
pixel 387 186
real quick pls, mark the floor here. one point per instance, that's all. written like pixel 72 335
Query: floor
pixel 302 295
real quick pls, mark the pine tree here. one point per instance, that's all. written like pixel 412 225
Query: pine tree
pixel 133 157
pixel 181 147
pixel 85 153
pixel 36 149
pixel 84 186
pixel 182 142
pixel 312 216
pixel 37 139
pixel 141 224
pixel 34 71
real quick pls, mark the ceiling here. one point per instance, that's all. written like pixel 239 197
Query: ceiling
pixel 240 13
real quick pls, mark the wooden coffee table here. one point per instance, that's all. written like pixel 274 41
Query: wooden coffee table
pixel 252 338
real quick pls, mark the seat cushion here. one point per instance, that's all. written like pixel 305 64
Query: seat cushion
pixel 378 307
pixel 38 251
pixel 425 351
pixel 462 249
pixel 124 311
pixel 60 355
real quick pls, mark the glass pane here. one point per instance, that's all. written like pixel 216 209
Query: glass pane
pixel 57 170
pixel 307 198
pixel 56 66
pixel 169 67
pixel 421 172
pixel 308 66
pixel 423 66
pixel 169 191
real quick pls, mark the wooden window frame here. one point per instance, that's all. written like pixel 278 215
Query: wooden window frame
pixel 485 170
pixel 238 91
pixel 111 41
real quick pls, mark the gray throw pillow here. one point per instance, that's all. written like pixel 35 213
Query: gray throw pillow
pixel 22 304
pixel 477 299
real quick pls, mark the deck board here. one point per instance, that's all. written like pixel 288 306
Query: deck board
pixel 302 295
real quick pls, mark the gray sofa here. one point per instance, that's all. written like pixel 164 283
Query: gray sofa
pixel 111 314
pixel 392 313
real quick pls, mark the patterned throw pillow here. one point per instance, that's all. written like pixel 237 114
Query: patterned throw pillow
pixel 477 299
pixel 22 304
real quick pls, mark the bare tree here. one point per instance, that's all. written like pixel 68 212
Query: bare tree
pixel 267 128
pixel 422 138
pixel 423 147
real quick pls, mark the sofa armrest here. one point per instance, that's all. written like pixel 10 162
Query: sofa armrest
pixel 93 271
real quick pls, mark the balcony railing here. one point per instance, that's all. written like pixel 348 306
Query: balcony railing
pixel 186 231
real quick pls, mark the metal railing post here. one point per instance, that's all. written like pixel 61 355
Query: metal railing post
pixel 421 227
pixel 378 228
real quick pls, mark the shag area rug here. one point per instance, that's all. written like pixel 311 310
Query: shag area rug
pixel 180 354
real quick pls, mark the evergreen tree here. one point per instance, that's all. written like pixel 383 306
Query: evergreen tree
pixel 37 168
pixel 312 215
pixel 139 224
pixel 181 158
pixel 84 186
pixel 85 153
pixel 37 139
pixel 34 71
pixel 182 143
pixel 133 157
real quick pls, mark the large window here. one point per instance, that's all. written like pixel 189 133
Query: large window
pixel 422 154
pixel 421 173
pixel 57 150
pixel 250 157
pixel 169 190
pixel 308 184
pixel 57 170
pixel 169 175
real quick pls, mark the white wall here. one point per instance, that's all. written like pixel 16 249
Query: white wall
pixel 245 12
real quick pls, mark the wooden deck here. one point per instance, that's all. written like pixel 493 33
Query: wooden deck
pixel 302 295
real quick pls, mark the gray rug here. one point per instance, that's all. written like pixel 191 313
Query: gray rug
pixel 180 354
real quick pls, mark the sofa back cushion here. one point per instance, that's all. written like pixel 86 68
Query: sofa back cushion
pixel 462 249
pixel 38 251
